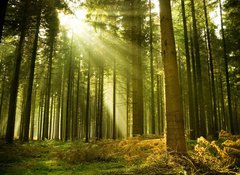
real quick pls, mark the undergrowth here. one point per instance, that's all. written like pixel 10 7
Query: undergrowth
pixel 138 155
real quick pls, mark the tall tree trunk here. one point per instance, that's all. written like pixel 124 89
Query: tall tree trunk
pixel 33 115
pixel 58 115
pixel 137 75
pixel 215 124
pixel 48 91
pixel 174 113
pixel 152 69
pixel 97 94
pixel 28 106
pixel 201 110
pixel 87 103
pixel 2 95
pixel 15 79
pixel 226 72
pixel 195 93
pixel 223 114
pixel 22 124
pixel 192 116
pixel 69 92
pixel 77 105
pixel 51 117
pixel 101 104
pixel 128 128
pixel 114 98
pixel 62 106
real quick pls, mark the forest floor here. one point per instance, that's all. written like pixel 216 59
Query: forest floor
pixel 141 155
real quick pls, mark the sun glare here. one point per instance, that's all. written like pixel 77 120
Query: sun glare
pixel 156 6
pixel 75 22
pixel 215 16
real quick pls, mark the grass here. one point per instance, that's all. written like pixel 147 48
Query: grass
pixel 132 156
pixel 55 157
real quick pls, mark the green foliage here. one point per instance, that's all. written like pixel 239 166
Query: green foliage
pixel 132 156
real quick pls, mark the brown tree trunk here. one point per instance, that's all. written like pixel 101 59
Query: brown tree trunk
pixel 215 118
pixel 137 75
pixel 192 116
pixel 27 110
pixel 87 103
pixel 15 80
pixel 174 113
pixel 227 74
pixel 152 70
pixel 201 111
pixel 114 98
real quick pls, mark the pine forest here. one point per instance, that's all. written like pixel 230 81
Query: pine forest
pixel 97 87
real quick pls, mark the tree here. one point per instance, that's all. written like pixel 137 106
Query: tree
pixel 192 116
pixel 52 24
pixel 226 71
pixel 152 69
pixel 137 72
pixel 15 79
pixel 200 109
pixel 174 113
pixel 27 110
pixel 209 45
pixel 88 101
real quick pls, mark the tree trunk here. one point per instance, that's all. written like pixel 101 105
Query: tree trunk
pixel 114 98
pixel 215 118
pixel 174 113
pixel 195 93
pixel 201 111
pixel 69 93
pixel 88 102
pixel 33 115
pixel 2 95
pixel 137 75
pixel 15 79
pixel 192 116
pixel 27 110
pixel 227 74
pixel 101 100
pixel 76 135
pixel 48 91
pixel 152 69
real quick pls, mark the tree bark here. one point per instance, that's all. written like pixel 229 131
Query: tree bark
pixel 152 70
pixel 215 117
pixel 87 103
pixel 201 111
pixel 227 73
pixel 192 116
pixel 28 106
pixel 137 75
pixel 15 80
pixel 114 98
pixel 174 113
pixel 48 90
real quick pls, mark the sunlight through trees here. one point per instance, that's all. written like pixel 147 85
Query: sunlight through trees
pixel 115 69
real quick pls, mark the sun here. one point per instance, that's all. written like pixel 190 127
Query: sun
pixel 73 21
